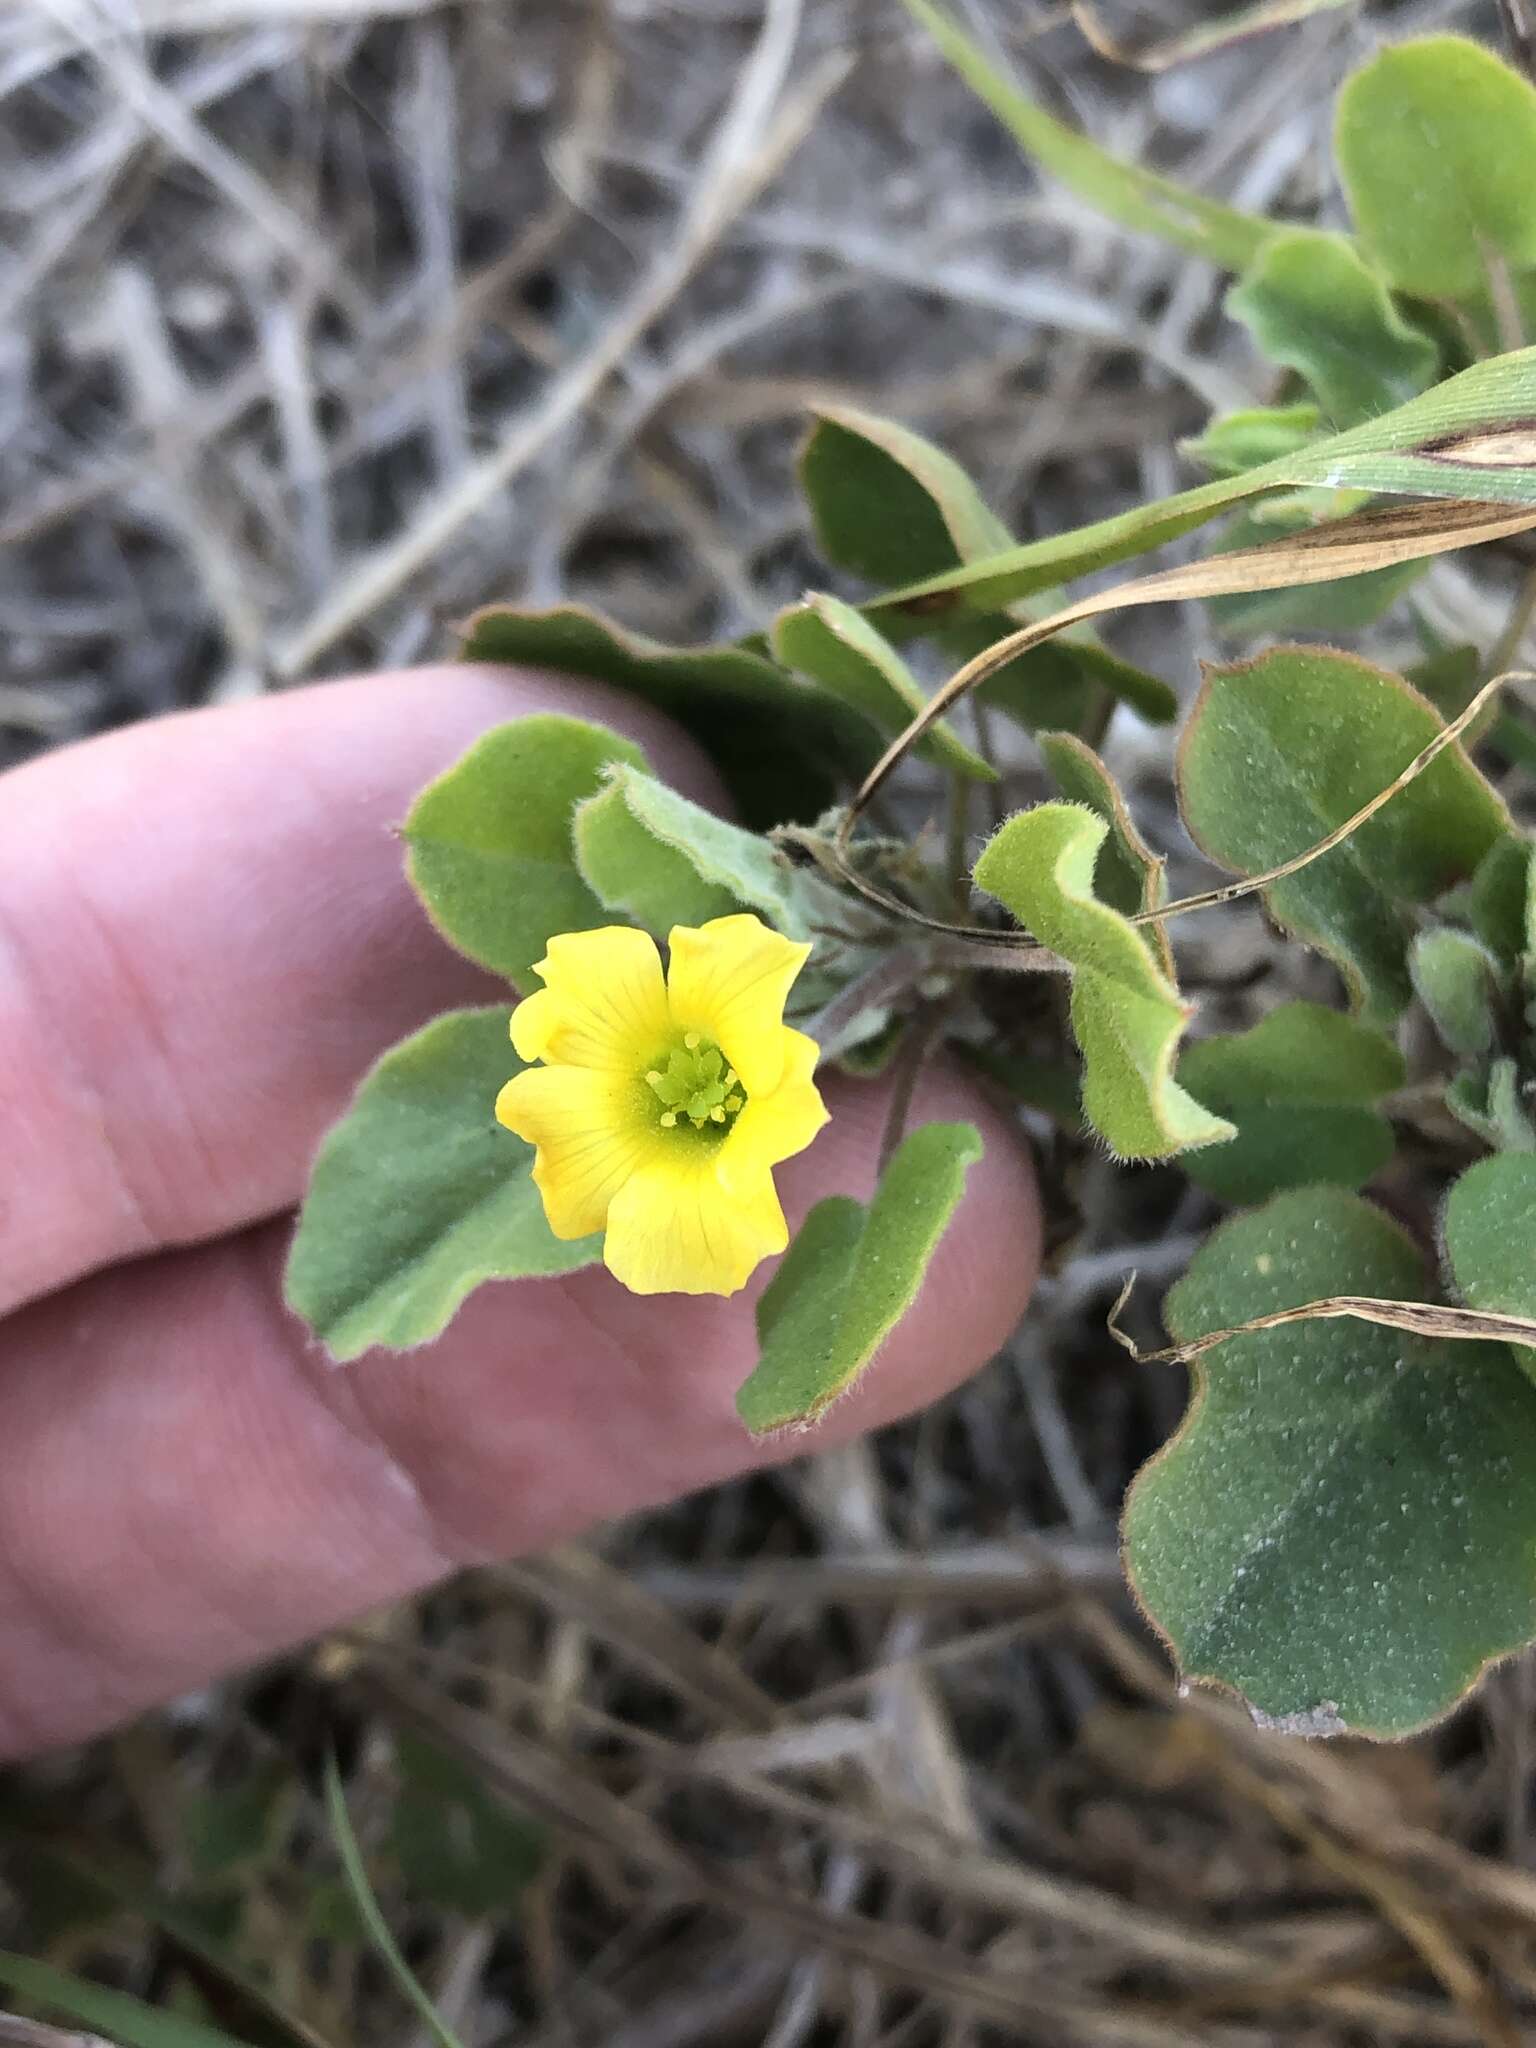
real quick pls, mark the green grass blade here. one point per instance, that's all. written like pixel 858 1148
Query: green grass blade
pixel 368 1909
pixel 111 2013
pixel 1136 198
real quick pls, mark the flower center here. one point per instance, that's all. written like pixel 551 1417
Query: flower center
pixel 695 1087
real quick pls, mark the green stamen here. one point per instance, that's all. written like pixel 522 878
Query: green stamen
pixel 697 1085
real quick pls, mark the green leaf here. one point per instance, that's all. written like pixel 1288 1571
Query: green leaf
pixel 1490 1239
pixel 1124 192
pixel 1313 306
pixel 888 505
pixel 458 1848
pixel 1468 438
pixel 1126 1012
pixel 1343 1528
pixel 1456 979
pixel 112 2013
pixel 1299 1086
pixel 418 1195
pixel 838 648
pixel 1054 685
pixel 1129 876
pixel 850 1276
pixel 490 841
pixel 1244 440
pixel 1436 144
pixel 650 853
pixel 778 745
pixel 367 1904
pixel 1500 899
pixel 1343 606
pixel 1280 750
pixel 1491 1102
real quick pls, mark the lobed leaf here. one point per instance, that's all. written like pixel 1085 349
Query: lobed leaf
pixel 1300 1088
pixel 1126 1013
pixel 1342 1530
pixel 1281 750
pixel 1436 146
pixel 489 842
pixel 777 744
pixel 1313 306
pixel 849 1277
pixel 418 1196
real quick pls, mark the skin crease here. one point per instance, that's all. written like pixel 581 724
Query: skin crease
pixel 205 938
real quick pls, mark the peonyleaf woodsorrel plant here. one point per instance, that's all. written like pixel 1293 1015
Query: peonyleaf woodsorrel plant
pixel 1344 1530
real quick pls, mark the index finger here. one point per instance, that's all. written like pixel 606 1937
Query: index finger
pixel 206 936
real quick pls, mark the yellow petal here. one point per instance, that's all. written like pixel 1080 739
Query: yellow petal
pixel 728 981
pixel 673 1229
pixel 604 1003
pixel 778 1125
pixel 591 1131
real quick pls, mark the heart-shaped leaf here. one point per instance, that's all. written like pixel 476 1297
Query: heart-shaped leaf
pixel 1312 305
pixel 1436 144
pixel 418 1195
pixel 1300 1087
pixel 1343 1528
pixel 1126 1013
pixel 489 842
pixel 849 1277
pixel 1280 750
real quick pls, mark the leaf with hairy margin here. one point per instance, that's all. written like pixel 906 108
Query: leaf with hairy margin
pixel 1280 750
pixel 418 1196
pixel 1342 1530
pixel 849 1277
pixel 1126 1012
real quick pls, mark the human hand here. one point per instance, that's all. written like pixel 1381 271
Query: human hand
pixel 205 938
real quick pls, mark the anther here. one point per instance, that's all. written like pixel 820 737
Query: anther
pixel 669 1119
pixel 691 1040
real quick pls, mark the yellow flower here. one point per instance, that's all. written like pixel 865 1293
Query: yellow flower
pixel 663 1105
